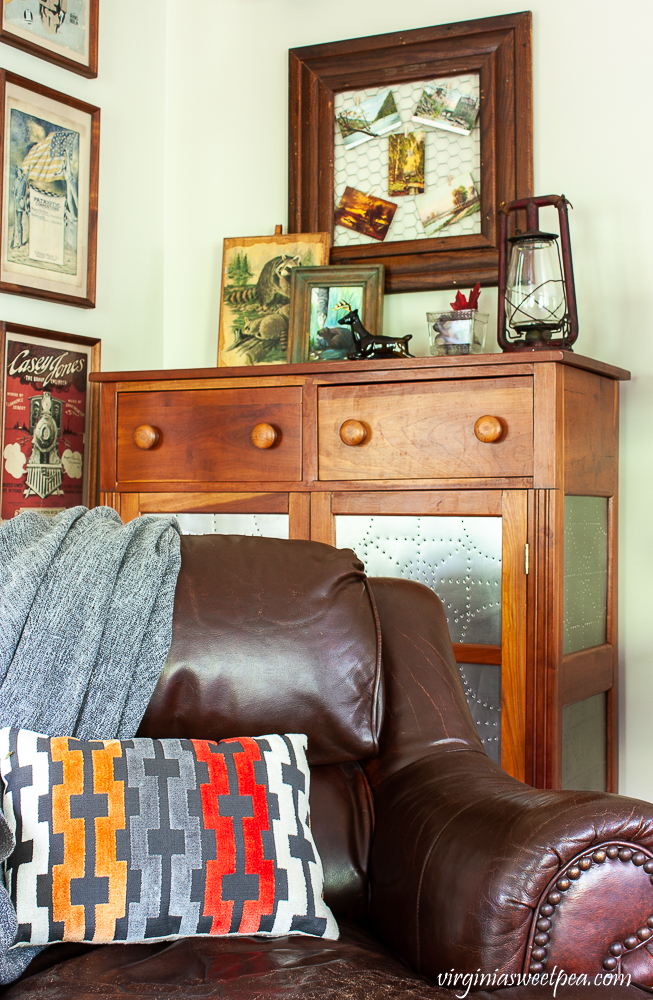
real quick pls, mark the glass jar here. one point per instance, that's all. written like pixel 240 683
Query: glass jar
pixel 461 331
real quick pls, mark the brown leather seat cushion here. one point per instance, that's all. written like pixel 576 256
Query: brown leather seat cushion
pixel 271 636
pixel 354 968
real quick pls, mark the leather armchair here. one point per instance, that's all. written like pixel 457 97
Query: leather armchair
pixel 436 861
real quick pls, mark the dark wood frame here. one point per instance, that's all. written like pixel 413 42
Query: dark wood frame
pixel 499 50
pixel 15 288
pixel 35 49
pixel 91 456
pixel 304 279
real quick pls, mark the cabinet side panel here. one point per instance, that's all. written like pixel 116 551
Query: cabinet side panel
pixel 590 433
pixel 108 433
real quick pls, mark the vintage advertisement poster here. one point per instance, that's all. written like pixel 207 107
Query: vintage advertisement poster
pixel 59 26
pixel 46 194
pixel 45 425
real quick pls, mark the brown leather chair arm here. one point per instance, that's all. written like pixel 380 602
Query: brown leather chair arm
pixel 468 865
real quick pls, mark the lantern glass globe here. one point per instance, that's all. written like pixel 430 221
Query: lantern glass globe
pixel 535 291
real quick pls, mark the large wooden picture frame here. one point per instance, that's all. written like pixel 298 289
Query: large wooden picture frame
pixel 64 32
pixel 49 165
pixel 49 412
pixel 498 49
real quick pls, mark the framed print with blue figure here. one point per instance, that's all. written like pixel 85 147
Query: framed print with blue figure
pixel 64 32
pixel 49 193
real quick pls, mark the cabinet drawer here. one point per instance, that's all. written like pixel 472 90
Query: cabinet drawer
pixel 426 431
pixel 205 435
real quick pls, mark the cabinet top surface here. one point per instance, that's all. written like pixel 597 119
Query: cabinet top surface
pixel 379 368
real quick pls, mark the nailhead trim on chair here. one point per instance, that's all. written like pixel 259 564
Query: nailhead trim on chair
pixel 537 952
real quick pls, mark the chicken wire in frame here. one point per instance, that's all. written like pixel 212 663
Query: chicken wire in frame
pixel 365 167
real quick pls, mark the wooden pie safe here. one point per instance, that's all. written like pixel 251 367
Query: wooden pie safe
pixel 374 453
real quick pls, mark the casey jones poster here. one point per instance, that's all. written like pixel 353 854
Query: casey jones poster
pixel 46 417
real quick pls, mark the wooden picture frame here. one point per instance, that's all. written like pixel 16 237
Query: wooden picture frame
pixel 498 49
pixel 42 469
pixel 304 281
pixel 49 166
pixel 255 294
pixel 65 34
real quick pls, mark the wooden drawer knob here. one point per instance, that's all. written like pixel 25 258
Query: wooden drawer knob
pixel 488 429
pixel 146 437
pixel 264 435
pixel 353 432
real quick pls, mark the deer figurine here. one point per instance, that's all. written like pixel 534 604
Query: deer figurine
pixel 368 346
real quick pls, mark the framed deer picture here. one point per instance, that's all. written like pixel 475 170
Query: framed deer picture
pixel 321 300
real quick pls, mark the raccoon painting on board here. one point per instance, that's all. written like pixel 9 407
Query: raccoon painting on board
pixel 255 299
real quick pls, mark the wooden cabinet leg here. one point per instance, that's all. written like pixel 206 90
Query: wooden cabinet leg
pixel 299 515
pixel 110 500
pixel 129 507
pixel 513 640
pixel 323 528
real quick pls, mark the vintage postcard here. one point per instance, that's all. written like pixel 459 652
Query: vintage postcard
pixel 368 120
pixel 46 190
pixel 406 164
pixel 63 31
pixel 49 433
pixel 255 302
pixel 365 213
pixel 446 108
pixel 447 204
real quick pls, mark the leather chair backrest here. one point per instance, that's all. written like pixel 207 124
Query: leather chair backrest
pixel 272 636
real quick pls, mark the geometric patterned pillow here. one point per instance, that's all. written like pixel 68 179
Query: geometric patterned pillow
pixel 151 840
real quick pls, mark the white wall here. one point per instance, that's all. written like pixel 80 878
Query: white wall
pixel 130 90
pixel 194 149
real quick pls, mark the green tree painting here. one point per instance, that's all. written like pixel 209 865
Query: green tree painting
pixel 239 270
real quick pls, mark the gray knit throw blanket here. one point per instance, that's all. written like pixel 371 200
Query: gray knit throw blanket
pixel 85 627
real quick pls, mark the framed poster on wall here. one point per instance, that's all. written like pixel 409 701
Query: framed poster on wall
pixel 49 414
pixel 49 192
pixel 64 32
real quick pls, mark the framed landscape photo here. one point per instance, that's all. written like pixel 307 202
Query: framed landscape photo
pixel 49 193
pixel 64 32
pixel 50 412
pixel 255 297
pixel 320 296
pixel 403 147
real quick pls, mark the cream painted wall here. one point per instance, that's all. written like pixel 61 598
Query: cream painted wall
pixel 130 90
pixel 210 160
